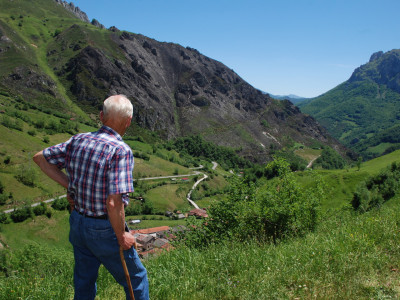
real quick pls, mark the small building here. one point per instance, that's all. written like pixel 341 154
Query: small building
pixel 162 234
pixel 145 240
pixel 134 221
pixel 159 243
pixel 150 230
pixel 198 213
pixel 181 216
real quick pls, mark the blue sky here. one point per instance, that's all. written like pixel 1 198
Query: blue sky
pixel 301 47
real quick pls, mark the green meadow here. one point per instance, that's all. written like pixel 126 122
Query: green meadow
pixel 348 256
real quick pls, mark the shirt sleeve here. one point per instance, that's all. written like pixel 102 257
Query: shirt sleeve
pixel 120 178
pixel 56 154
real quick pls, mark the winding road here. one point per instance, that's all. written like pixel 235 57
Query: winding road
pixel 215 164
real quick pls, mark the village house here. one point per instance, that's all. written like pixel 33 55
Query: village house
pixel 154 240
pixel 198 213
pixel 159 243
pixel 181 216
pixel 145 241
pixel 169 214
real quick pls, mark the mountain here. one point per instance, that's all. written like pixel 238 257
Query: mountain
pixel 52 56
pixel 292 98
pixel 364 112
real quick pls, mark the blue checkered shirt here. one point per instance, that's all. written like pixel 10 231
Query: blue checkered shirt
pixel 98 164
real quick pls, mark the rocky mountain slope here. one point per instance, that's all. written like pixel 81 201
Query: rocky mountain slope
pixel 364 112
pixel 52 56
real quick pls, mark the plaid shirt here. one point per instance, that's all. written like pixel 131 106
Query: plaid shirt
pixel 98 164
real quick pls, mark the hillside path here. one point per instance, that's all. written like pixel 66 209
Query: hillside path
pixel 147 178
pixel 312 161
pixel 215 165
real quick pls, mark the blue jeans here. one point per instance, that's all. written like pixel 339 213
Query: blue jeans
pixel 95 243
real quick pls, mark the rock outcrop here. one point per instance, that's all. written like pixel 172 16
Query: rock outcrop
pixel 74 9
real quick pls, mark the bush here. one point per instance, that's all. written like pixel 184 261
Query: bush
pixel 7 160
pixel 40 209
pixel 26 175
pixel 147 208
pixel 133 210
pixel 60 204
pixel 329 160
pixel 276 211
pixel 20 215
pixel 32 132
pixel 377 189
pixel 4 218
pixel 3 198
pixel 48 213
pixel 1 187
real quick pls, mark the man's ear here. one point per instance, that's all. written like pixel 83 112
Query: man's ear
pixel 128 122
pixel 101 116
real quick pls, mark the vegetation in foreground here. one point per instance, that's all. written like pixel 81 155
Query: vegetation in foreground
pixel 348 255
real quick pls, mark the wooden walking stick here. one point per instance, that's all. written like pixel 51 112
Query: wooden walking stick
pixel 128 278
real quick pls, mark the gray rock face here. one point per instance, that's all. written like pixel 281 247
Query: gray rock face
pixel 177 91
pixel 376 56
pixel 383 68
pixel 74 9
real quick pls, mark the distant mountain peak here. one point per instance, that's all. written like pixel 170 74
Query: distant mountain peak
pixel 364 112
pixel 382 68
pixel 74 9
pixel 376 56
pixel 293 98
pixel 79 13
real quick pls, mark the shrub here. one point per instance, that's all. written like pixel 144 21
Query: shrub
pixel 3 198
pixel 147 208
pixel 20 215
pixel 48 213
pixel 40 209
pixel 329 159
pixel 133 210
pixel 4 218
pixel 276 211
pixel 26 175
pixel 7 160
pixel 60 204
pixel 377 189
pixel 39 124
pixel 32 132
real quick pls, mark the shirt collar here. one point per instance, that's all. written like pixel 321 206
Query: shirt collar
pixel 110 131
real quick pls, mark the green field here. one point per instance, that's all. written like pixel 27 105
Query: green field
pixel 348 256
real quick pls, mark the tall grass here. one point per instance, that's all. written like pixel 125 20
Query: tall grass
pixel 349 256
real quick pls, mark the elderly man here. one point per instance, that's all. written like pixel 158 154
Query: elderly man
pixel 98 179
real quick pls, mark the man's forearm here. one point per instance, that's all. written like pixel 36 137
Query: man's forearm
pixel 51 170
pixel 116 215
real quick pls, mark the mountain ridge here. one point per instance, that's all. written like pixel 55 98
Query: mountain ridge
pixel 176 91
pixel 363 111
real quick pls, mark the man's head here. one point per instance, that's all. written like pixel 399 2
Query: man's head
pixel 117 113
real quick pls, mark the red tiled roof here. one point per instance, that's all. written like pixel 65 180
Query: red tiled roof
pixel 150 230
pixel 198 212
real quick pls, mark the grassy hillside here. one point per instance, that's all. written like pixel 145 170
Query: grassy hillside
pixel 30 31
pixel 348 256
pixel 364 112
pixel 26 129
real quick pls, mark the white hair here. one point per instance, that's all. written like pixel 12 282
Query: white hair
pixel 118 106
